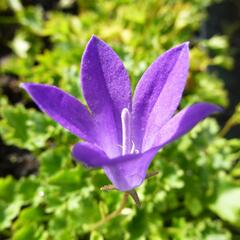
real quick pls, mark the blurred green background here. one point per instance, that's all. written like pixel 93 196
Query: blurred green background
pixel 45 195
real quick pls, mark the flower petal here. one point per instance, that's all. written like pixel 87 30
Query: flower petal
pixel 89 154
pixel 125 172
pixel 179 125
pixel 129 171
pixel 159 91
pixel 107 90
pixel 63 108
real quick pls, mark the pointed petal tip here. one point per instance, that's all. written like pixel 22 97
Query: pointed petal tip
pixel 211 108
pixel 180 124
pixel 216 108
pixel 30 84
pixel 93 37
pixel 23 85
pixel 27 85
pixel 93 40
pixel 184 45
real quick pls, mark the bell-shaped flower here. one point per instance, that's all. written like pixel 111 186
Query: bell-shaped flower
pixel 123 134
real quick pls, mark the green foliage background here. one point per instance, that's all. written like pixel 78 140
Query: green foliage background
pixel 196 194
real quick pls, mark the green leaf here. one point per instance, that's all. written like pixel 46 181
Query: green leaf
pixel 226 204
pixel 67 179
pixel 25 128
pixel 10 202
pixel 15 5
pixel 7 189
pixel 20 45
pixel 26 232
pixel 218 42
pixel 8 212
pixel 32 18
pixel 54 160
pixel 27 188
pixel 96 236
pixel 194 205
pixel 82 212
pixel 138 226
pixel 30 214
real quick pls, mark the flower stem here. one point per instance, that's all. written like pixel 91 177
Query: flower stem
pixel 229 124
pixel 108 187
pixel 135 197
pixel 111 215
pixel 151 174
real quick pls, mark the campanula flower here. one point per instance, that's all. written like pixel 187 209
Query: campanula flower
pixel 123 134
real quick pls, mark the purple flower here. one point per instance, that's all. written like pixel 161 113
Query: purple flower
pixel 122 135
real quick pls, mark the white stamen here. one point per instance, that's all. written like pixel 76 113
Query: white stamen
pixel 136 151
pixel 133 148
pixel 126 131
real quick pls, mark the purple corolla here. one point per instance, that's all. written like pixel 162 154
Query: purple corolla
pixel 122 135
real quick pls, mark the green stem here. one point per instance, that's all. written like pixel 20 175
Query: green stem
pixel 229 124
pixel 111 215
